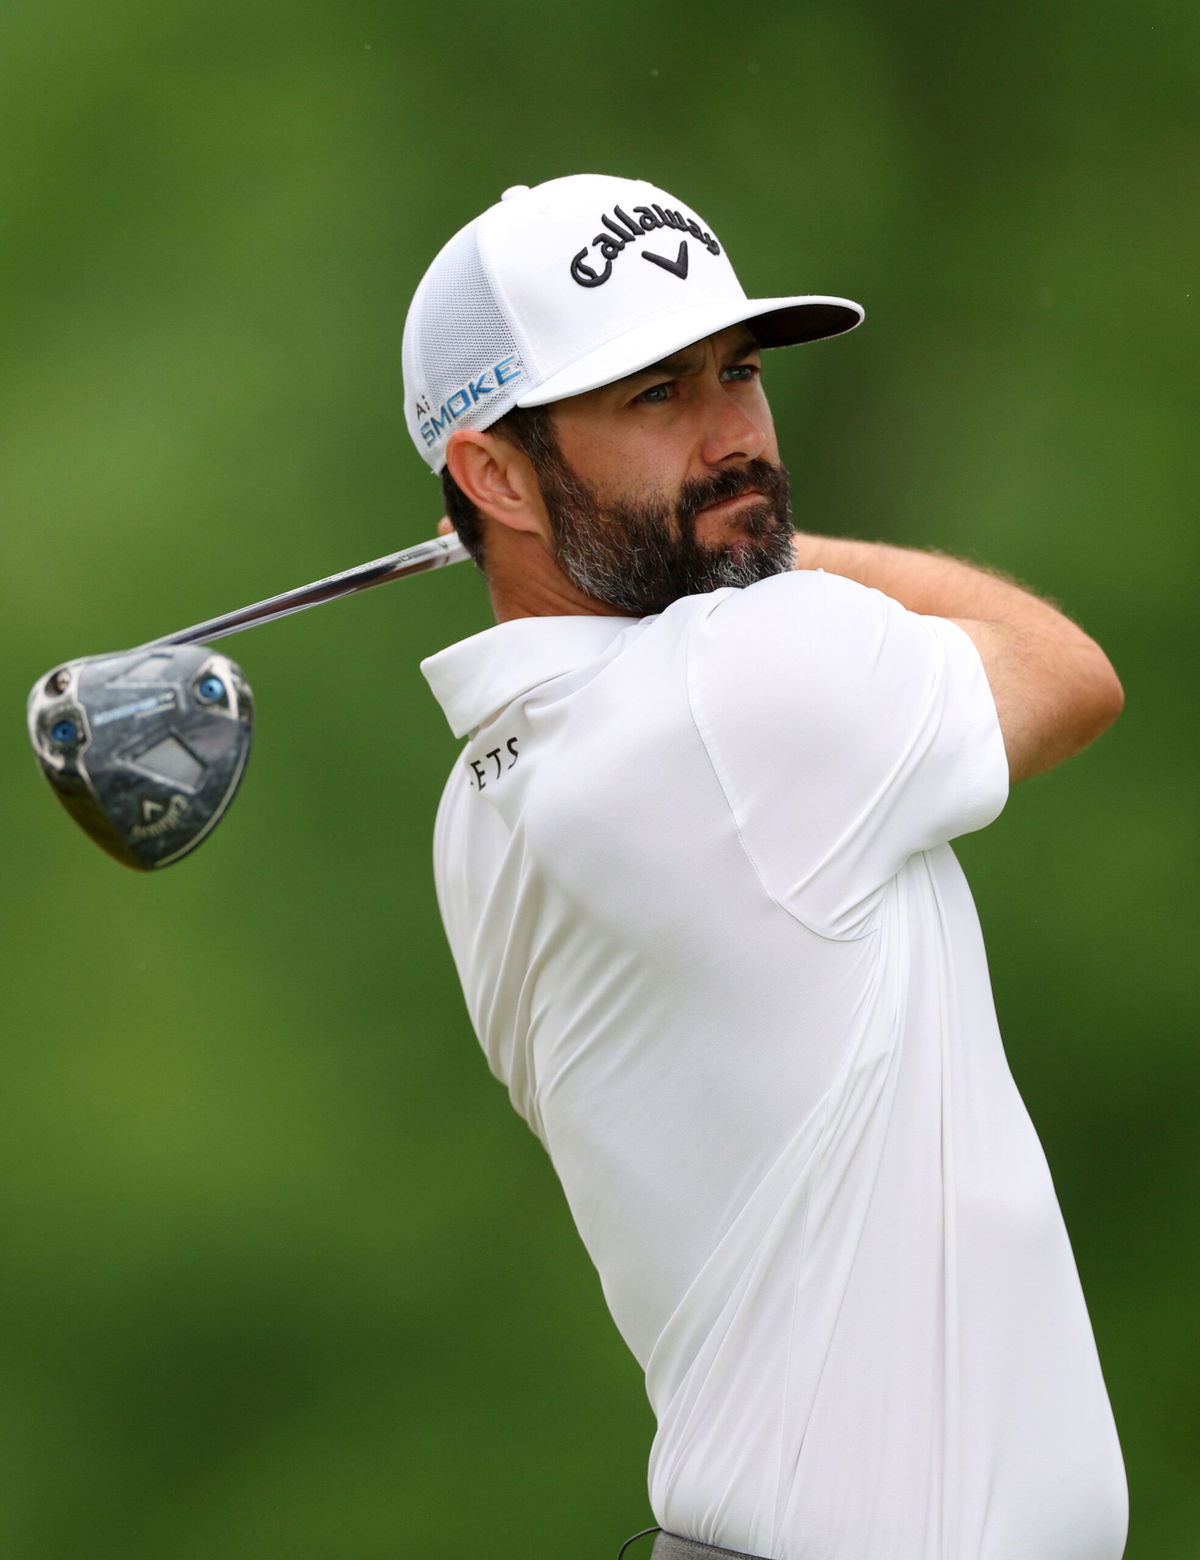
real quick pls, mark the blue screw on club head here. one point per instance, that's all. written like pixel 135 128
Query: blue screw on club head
pixel 211 688
pixel 63 731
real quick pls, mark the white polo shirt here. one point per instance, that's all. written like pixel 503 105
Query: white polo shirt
pixel 694 874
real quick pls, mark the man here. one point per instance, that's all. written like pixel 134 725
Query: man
pixel 694 870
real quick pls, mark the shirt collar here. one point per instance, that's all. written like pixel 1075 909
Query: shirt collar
pixel 478 676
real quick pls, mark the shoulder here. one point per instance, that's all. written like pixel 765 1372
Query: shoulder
pixel 856 679
pixel 815 630
pixel 846 732
pixel 838 621
pixel 804 605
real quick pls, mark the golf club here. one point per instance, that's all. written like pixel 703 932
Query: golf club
pixel 145 748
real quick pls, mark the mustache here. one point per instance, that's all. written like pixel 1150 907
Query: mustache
pixel 755 476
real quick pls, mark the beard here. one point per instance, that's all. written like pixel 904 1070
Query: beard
pixel 640 555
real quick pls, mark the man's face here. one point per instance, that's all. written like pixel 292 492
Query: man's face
pixel 668 483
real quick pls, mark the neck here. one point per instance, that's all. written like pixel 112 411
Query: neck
pixel 524 581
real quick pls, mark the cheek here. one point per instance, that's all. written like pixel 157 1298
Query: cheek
pixel 637 463
pixel 766 424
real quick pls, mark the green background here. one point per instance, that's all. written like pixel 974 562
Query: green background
pixel 280 1274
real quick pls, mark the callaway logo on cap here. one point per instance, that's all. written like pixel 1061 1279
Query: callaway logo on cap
pixel 570 285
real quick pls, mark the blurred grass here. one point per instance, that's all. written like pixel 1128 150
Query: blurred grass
pixel 282 1274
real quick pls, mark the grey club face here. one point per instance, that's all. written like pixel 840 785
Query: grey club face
pixel 145 749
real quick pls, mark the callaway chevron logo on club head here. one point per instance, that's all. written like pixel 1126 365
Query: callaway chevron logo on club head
pixel 145 749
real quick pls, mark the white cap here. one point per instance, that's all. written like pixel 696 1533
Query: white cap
pixel 570 285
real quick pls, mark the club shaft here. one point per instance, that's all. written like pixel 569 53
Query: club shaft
pixel 420 559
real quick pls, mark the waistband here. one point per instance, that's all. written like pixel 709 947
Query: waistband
pixel 669 1546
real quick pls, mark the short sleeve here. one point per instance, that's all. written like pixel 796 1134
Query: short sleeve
pixel 847 734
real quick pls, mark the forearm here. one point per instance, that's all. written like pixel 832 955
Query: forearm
pixel 929 582
pixel 1055 689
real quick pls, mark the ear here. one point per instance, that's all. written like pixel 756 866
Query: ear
pixel 498 478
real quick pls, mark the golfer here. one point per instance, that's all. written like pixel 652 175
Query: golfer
pixel 695 871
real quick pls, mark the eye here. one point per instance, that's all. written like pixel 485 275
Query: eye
pixel 656 395
pixel 742 373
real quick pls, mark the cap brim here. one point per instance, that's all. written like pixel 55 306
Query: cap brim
pixel 776 322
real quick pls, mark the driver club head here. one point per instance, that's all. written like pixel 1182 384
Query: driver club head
pixel 144 749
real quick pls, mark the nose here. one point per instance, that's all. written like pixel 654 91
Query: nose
pixel 734 431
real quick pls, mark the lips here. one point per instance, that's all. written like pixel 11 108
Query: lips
pixel 728 505
pixel 732 495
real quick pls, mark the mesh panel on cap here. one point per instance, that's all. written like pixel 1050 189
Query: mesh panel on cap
pixel 466 361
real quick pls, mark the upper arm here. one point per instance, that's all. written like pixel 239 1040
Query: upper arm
pixel 1055 691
